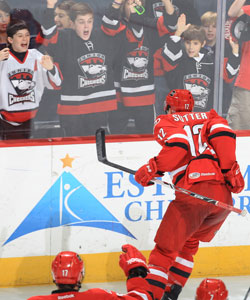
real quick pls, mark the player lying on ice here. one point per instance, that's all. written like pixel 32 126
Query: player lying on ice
pixel 68 273
pixel 198 150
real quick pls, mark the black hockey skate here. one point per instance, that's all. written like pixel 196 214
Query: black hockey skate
pixel 173 294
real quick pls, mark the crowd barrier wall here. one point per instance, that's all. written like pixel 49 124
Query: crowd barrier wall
pixel 56 196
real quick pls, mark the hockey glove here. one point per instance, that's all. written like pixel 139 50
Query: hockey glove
pixel 147 172
pixel 234 179
pixel 133 262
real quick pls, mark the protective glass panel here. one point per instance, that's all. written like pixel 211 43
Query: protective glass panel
pixel 68 68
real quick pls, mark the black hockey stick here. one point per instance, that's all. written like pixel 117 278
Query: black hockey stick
pixel 246 296
pixel 102 157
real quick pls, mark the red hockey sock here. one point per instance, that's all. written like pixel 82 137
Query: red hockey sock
pixel 157 279
pixel 181 270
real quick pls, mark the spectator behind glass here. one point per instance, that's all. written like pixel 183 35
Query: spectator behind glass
pixel 61 14
pixel 154 9
pixel 231 49
pixel 55 17
pixel 194 70
pixel 208 22
pixel 7 14
pixel 239 110
pixel 34 27
pixel 135 77
pixel 24 75
pixel 86 58
pixel 4 21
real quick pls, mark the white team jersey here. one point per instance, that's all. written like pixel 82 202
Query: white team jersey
pixel 22 85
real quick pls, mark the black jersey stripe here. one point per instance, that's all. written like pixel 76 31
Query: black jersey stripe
pixel 179 177
pixel 179 272
pixel 206 156
pixel 156 283
pixel 151 294
pixel 222 133
pixel 177 144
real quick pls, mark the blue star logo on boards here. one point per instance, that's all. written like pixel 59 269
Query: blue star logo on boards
pixel 69 204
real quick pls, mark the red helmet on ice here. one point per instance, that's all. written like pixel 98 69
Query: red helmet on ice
pixel 67 268
pixel 179 100
pixel 211 289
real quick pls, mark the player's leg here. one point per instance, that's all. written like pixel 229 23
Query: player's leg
pixel 181 270
pixel 161 259
pixel 217 215
pixel 178 224
pixel 157 278
pixel 183 218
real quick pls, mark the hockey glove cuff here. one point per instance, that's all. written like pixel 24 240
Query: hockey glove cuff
pixel 234 179
pixel 138 272
pixel 148 172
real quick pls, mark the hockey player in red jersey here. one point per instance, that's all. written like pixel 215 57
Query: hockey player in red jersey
pixel 68 273
pixel 211 288
pixel 193 152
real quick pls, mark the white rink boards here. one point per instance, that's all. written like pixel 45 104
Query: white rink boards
pixel 57 196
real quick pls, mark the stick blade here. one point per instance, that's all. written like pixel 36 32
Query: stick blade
pixel 244 213
pixel 100 144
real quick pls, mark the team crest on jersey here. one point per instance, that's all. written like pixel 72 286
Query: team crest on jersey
pixel 159 7
pixel 138 62
pixel 198 85
pixel 22 81
pixel 94 70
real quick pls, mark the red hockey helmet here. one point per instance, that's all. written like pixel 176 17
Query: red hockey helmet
pixel 179 100
pixel 211 289
pixel 67 268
